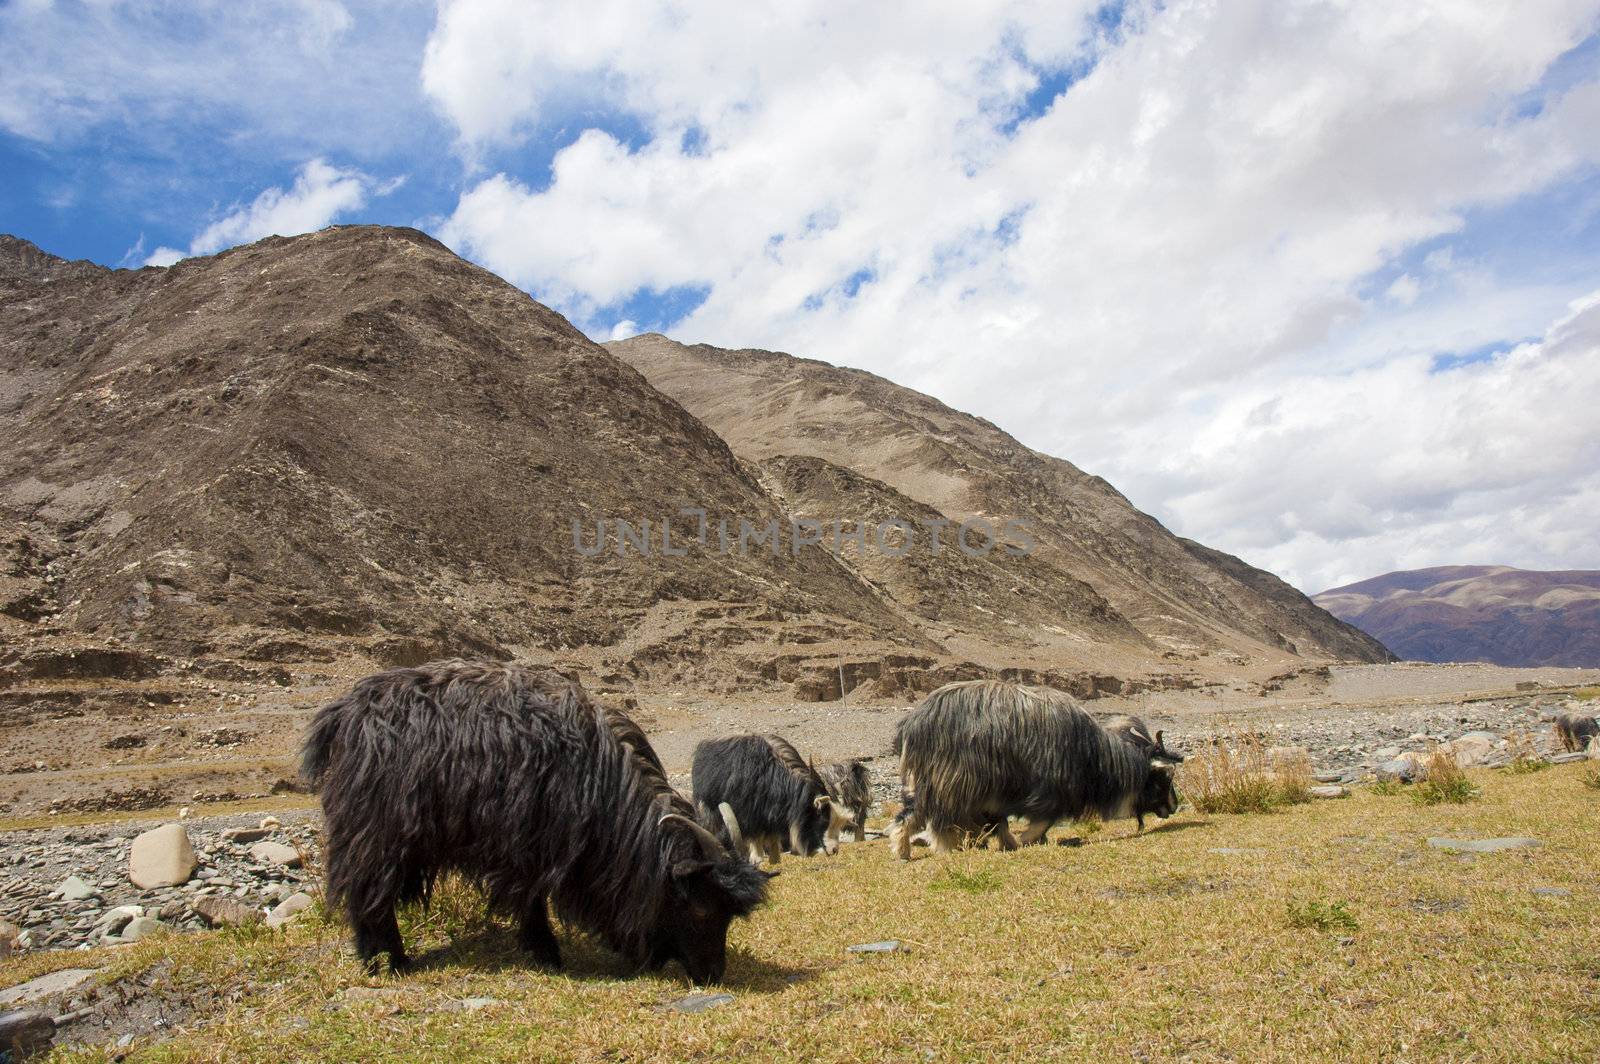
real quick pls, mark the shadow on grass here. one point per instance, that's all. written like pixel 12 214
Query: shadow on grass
pixel 585 959
pixel 1170 826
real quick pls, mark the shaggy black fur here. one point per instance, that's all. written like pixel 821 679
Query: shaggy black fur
pixel 769 786
pixel 848 784
pixel 977 752
pixel 513 777
pixel 1575 730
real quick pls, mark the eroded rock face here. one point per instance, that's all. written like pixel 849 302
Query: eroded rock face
pixel 161 857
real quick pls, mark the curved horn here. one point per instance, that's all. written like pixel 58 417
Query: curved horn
pixel 821 801
pixel 708 842
pixel 733 826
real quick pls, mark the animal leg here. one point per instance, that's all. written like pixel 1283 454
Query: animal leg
pixel 946 839
pixel 774 849
pixel 380 933
pixel 905 827
pixel 536 936
pixel 1001 829
pixel 1034 834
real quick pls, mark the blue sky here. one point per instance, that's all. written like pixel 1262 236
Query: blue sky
pixel 1271 269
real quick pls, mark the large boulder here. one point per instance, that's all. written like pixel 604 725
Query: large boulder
pixel 161 857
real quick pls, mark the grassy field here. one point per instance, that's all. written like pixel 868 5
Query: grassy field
pixel 1322 931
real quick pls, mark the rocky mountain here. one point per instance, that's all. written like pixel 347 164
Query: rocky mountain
pixel 1105 582
pixel 354 443
pixel 1488 613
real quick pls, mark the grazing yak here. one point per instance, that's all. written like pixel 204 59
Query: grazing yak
pixel 1575 730
pixel 848 784
pixel 1134 730
pixel 777 798
pixel 977 752
pixel 514 778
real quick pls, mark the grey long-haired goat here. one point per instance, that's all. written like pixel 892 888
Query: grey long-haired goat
pixel 776 796
pixel 1575 730
pixel 513 777
pixel 851 789
pixel 977 752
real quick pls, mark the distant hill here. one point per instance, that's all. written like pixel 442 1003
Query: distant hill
pixel 1488 613
pixel 355 443
pixel 828 437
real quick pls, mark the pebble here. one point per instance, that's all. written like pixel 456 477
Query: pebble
pixel 700 1002
pixel 74 889
pixel 289 908
pixel 219 911
pixel 1328 790
pixel 1552 892
pixel 890 945
pixel 276 853
pixel 139 927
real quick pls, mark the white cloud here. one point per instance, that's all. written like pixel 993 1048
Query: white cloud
pixel 320 194
pixel 1196 220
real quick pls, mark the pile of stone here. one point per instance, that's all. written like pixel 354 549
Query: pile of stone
pixel 78 888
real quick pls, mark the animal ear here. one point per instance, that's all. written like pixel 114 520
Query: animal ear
pixel 1159 734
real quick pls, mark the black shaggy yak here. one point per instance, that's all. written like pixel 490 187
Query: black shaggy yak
pixel 848 784
pixel 977 752
pixel 512 776
pixel 1575 730
pixel 778 798
pixel 1134 730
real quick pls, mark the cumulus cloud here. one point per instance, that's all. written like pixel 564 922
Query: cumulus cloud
pixel 1230 214
pixel 319 195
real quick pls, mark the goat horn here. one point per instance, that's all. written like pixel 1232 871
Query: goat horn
pixel 733 826
pixel 708 842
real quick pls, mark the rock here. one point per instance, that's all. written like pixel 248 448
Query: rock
pixel 74 889
pixel 222 911
pixel 1484 845
pixel 161 857
pixel 1232 851
pixel 139 927
pixel 289 908
pixel 270 823
pixel 891 945
pixel 1386 753
pixel 276 853
pixel 1568 757
pixel 9 933
pixel 1552 892
pixel 112 921
pixel 473 1004
pixel 1470 750
pixel 1329 776
pixel 1328 790
pixel 1398 770
pixel 46 985
pixel 245 836
pixel 371 993
pixel 700 1002
pixel 24 1033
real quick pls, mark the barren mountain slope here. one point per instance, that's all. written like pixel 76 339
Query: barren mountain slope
pixel 1185 599
pixel 357 439
pixel 1478 613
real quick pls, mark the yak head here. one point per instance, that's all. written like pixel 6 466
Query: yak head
pixel 707 887
pixel 839 816
pixel 1160 793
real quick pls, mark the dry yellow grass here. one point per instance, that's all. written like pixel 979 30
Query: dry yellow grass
pixel 1237 774
pixel 1326 931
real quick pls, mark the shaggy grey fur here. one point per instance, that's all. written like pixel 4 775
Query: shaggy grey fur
pixel 977 752
pixel 1134 730
pixel 1575 730
pixel 848 784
